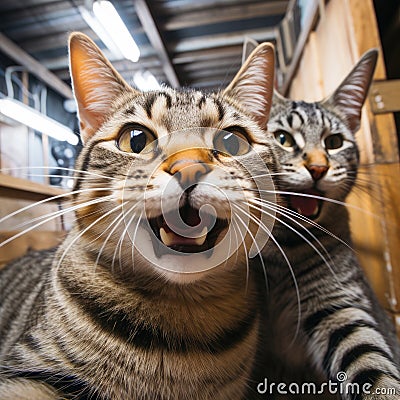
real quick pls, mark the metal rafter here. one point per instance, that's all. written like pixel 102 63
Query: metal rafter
pixel 33 66
pixel 149 25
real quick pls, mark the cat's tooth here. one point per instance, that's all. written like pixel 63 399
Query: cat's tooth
pixel 199 241
pixel 166 237
pixel 316 209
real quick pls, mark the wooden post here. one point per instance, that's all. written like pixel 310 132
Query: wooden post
pixel 347 29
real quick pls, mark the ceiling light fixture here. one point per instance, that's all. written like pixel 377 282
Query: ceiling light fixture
pixel 109 27
pixel 34 119
pixel 145 81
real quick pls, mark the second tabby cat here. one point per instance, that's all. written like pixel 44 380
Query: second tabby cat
pixel 321 308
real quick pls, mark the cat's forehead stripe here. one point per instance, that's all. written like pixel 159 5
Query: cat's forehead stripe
pixel 161 105
pixel 327 121
pixel 296 121
pixel 202 101
pixel 154 99
pixel 220 109
pixel 295 112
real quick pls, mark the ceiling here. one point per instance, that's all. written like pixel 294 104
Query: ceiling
pixel 182 42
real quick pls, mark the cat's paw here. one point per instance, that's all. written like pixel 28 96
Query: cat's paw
pixel 386 388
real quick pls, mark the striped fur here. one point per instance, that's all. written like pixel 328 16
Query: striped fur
pixel 95 320
pixel 342 328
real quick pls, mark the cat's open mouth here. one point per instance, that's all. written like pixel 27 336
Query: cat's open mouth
pixel 200 235
pixel 307 205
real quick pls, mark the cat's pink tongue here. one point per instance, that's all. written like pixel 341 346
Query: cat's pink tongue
pixel 304 205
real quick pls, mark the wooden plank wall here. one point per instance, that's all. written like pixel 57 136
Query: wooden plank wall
pixel 346 29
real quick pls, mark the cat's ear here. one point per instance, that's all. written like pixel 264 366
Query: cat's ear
pixel 350 96
pixel 95 83
pixel 252 86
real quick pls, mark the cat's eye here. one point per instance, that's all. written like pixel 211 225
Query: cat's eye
pixel 333 141
pixel 231 142
pixel 284 138
pixel 136 139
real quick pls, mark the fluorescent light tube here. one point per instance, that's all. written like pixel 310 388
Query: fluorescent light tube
pixel 101 32
pixel 145 80
pixel 34 119
pixel 112 23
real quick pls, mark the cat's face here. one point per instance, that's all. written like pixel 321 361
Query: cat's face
pixel 316 145
pixel 318 155
pixel 174 168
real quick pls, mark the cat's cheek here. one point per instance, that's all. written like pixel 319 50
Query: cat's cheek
pixel 331 183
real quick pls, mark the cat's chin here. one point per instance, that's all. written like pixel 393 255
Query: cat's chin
pixel 184 278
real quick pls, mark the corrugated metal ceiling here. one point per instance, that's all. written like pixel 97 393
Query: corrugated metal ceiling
pixel 182 42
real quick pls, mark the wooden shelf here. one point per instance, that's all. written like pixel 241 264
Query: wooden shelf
pixel 11 186
pixel 34 240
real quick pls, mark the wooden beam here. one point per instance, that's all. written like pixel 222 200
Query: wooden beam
pixel 384 96
pixel 205 55
pixel 173 7
pixel 30 13
pixel 210 73
pixel 225 14
pixel 59 40
pixel 20 188
pixel 33 66
pixel 224 39
pixel 202 65
pixel 146 19
pixel 124 67
pixel 308 26
pixel 61 62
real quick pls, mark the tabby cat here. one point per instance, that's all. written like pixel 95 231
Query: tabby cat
pixel 320 306
pixel 134 304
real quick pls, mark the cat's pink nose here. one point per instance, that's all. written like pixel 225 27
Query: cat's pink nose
pixel 317 171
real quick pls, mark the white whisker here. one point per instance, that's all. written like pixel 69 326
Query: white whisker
pixel 74 177
pixel 62 212
pixel 269 233
pixel 81 233
pixel 59 168
pixel 117 221
pixel 246 254
pixel 269 174
pixel 282 211
pixel 316 197
pixel 59 196
pixel 252 238
pixel 122 237
pixel 298 234
pixel 134 238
